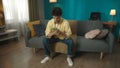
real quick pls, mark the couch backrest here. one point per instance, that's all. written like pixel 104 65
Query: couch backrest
pixel 73 25
pixel 85 26
pixel 81 27
pixel 44 22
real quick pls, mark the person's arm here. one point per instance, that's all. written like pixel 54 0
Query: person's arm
pixel 48 32
pixel 51 34
pixel 67 32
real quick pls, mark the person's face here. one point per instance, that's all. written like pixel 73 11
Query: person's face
pixel 57 18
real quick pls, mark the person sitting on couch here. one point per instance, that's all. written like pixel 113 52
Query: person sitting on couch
pixel 57 30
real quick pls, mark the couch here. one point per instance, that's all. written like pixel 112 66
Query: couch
pixel 79 28
pixel 36 42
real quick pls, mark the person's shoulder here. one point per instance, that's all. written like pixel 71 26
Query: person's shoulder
pixel 65 20
pixel 51 20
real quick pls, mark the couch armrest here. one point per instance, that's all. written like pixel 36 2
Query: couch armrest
pixel 110 41
pixel 74 38
pixel 27 34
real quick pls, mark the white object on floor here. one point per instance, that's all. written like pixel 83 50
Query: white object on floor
pixel 45 59
pixel 70 62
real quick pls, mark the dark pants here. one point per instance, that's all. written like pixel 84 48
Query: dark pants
pixel 48 41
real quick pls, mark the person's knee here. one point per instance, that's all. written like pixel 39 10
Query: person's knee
pixel 69 40
pixel 44 39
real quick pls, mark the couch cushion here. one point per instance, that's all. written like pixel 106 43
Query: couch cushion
pixel 85 26
pixel 60 47
pixel 73 25
pixel 30 26
pixel 92 33
pixel 92 45
pixel 44 22
pixel 36 42
pixel 95 25
pixel 39 29
pixel 102 34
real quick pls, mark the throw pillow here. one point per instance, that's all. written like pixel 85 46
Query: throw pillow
pixel 102 34
pixel 39 29
pixel 92 34
pixel 30 26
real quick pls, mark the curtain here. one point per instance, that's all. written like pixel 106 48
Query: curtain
pixel 16 14
pixel 33 10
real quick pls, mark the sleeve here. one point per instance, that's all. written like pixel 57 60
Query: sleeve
pixel 68 31
pixel 48 29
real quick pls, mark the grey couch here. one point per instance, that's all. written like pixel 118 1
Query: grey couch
pixel 79 28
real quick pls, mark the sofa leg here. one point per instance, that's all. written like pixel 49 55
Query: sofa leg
pixel 34 50
pixel 101 55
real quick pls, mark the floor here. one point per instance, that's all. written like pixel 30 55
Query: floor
pixel 14 54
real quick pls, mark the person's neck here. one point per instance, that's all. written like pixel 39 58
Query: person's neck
pixel 59 21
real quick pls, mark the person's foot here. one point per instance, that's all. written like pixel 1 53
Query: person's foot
pixel 45 59
pixel 70 62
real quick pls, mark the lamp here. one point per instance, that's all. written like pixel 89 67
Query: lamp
pixel 112 13
pixel 52 1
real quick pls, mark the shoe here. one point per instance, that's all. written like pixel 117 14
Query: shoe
pixel 45 59
pixel 70 62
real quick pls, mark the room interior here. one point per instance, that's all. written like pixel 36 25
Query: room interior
pixel 15 51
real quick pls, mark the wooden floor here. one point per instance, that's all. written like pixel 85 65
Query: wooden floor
pixel 14 54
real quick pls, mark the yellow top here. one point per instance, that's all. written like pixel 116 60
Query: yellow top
pixel 63 26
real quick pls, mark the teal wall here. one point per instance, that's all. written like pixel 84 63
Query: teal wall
pixel 81 9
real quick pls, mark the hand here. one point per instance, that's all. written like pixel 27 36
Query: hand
pixel 53 32
pixel 56 32
pixel 60 33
